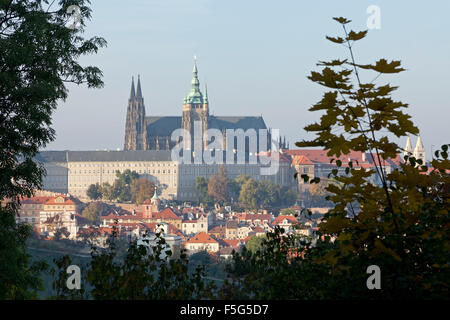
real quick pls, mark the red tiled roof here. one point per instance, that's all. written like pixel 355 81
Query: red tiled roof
pixel 318 155
pixel 35 200
pixel 167 213
pixel 66 201
pixel 256 216
pixel 151 226
pixel 137 216
pixel 190 221
pixel 234 243
pixel 218 229
pixel 301 160
pixel 280 219
pixel 193 210
pixel 361 159
pixel 202 237
pixel 258 229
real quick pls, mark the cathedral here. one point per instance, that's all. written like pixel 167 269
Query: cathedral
pixel 150 132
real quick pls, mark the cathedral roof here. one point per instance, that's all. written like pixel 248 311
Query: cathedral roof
pixel 237 123
pixel 164 126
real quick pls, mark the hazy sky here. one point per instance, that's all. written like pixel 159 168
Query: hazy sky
pixel 255 56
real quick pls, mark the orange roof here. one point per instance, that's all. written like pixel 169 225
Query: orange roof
pixel 258 229
pixel 218 229
pixel 110 216
pixel 35 200
pixel 137 216
pixel 66 201
pixel 202 237
pixel 318 155
pixel 280 219
pixel 256 216
pixel 190 221
pixel 193 210
pixel 153 225
pixel 301 160
pixel 167 213
pixel 304 156
pixel 234 243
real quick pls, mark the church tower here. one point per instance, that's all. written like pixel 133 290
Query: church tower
pixel 135 126
pixel 408 148
pixel 419 150
pixel 195 108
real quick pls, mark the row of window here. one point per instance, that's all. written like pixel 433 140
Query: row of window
pixel 140 164
pixel 114 171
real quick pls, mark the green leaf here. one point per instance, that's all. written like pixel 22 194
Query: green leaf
pixel 355 36
pixel 342 20
pixel 335 40
pixel 383 66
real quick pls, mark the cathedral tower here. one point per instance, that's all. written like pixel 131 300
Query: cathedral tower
pixel 419 150
pixel 195 108
pixel 408 148
pixel 135 126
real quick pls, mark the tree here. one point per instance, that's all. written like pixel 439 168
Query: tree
pixel 218 185
pixel 141 275
pixel 289 212
pixel 287 196
pixel 201 185
pixel 264 194
pixel 248 194
pixel 94 191
pixel 319 191
pixel 400 225
pixel 93 212
pixel 122 185
pixel 141 190
pixel 108 191
pixel 255 243
pixel 38 55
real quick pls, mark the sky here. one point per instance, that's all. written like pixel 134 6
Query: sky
pixel 255 56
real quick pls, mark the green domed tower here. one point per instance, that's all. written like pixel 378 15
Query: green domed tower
pixel 195 108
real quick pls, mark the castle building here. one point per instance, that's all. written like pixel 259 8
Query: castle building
pixel 73 172
pixel 148 145
pixel 143 132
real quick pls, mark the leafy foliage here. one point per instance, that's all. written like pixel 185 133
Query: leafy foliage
pixel 400 224
pixel 128 186
pixel 94 191
pixel 38 55
pixel 218 186
pixel 142 274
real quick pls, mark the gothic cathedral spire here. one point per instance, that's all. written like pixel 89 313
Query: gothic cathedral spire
pixel 132 94
pixel 139 91
pixel 135 126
